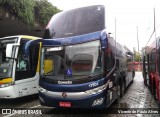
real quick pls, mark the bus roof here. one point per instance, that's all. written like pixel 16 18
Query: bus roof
pixel 76 22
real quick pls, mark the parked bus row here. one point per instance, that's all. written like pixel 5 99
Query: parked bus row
pixel 77 62
pixel 151 66
pixel 87 67
pixel 151 57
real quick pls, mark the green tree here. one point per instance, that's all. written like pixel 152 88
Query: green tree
pixel 29 11
pixel 44 11
pixel 137 57
pixel 23 9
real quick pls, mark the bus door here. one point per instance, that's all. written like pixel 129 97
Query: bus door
pixel 110 61
pixel 26 75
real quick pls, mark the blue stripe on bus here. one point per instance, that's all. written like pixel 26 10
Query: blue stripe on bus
pixel 72 40
pixel 71 87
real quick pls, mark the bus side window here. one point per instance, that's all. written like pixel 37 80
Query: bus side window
pixel 109 60
pixel 152 61
pixel 129 63
pixel 21 63
pixel 117 63
pixel 2 53
pixel 159 60
pixel 26 68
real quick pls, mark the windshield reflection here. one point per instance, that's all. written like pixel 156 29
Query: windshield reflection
pixel 6 64
pixel 72 62
pixel 6 68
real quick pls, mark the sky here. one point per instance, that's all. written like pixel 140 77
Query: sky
pixel 134 18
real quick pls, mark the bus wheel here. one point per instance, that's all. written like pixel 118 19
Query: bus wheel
pixel 122 88
pixel 118 93
pixel 119 90
pixel 154 91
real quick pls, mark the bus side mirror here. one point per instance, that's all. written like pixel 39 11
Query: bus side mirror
pixel 10 49
pixel 104 39
pixel 129 55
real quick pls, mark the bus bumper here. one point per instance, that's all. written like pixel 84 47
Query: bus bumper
pixel 7 92
pixel 93 101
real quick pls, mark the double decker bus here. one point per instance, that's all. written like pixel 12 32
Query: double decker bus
pixel 81 65
pixel 151 56
pixel 151 65
pixel 18 75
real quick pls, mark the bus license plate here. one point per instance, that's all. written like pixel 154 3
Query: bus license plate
pixel 65 104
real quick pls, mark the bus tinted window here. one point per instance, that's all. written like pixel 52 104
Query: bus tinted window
pixel 6 64
pixel 24 65
pixel 76 22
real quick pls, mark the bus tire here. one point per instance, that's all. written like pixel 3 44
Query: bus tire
pixel 118 93
pixel 122 88
pixel 155 91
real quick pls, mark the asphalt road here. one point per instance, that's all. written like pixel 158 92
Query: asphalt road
pixel 137 99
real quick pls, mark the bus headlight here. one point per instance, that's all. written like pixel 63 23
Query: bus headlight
pixel 5 85
pixel 42 90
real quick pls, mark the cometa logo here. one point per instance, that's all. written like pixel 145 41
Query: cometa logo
pixel 64 82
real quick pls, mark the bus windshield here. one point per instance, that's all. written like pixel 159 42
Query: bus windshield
pixel 6 64
pixel 72 62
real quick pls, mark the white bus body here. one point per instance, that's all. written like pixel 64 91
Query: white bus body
pixel 18 75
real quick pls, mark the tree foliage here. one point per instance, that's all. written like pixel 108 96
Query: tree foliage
pixel 137 56
pixel 30 10
pixel 23 9
pixel 44 11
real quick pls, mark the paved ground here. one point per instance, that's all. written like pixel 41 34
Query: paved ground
pixel 137 98
pixel 137 95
